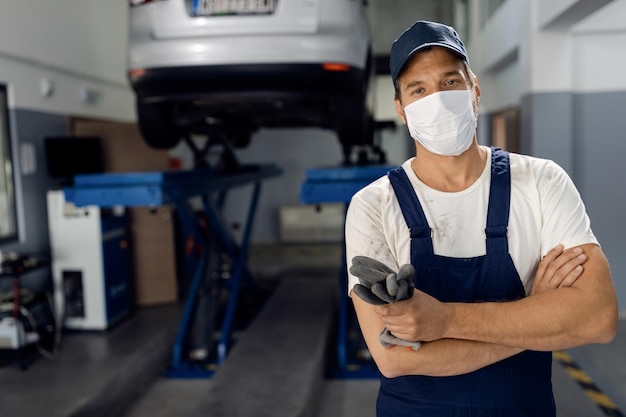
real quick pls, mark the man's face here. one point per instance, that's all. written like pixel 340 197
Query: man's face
pixel 431 71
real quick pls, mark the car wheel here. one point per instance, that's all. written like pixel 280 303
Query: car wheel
pixel 156 125
pixel 355 132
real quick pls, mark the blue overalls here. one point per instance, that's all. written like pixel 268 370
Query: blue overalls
pixel 517 386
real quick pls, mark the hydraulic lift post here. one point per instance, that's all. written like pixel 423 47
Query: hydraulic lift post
pixel 338 185
pixel 155 189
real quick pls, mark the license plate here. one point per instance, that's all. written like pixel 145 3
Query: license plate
pixel 232 7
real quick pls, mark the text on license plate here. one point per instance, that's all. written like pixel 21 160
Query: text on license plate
pixel 232 7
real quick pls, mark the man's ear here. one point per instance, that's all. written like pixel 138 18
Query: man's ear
pixel 477 88
pixel 400 111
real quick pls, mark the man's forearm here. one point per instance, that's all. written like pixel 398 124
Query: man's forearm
pixel 438 358
pixel 535 323
pixel 562 318
pixel 445 357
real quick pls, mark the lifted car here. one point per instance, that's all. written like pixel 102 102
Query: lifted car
pixel 226 68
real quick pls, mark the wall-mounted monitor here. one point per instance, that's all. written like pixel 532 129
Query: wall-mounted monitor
pixel 67 156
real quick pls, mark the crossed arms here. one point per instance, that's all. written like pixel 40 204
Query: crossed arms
pixel 569 305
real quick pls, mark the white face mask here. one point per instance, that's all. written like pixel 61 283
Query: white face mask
pixel 443 122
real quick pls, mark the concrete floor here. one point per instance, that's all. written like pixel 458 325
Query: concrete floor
pixel 357 397
pixel 119 372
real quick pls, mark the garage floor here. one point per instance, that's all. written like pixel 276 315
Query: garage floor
pixel 119 372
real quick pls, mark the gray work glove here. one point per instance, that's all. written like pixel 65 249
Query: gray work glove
pixel 388 340
pixel 378 285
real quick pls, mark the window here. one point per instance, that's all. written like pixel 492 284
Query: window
pixel 8 220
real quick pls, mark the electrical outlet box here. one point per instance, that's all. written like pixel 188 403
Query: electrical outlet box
pixel 11 333
pixel 312 223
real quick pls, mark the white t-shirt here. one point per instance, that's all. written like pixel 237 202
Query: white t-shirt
pixel 546 209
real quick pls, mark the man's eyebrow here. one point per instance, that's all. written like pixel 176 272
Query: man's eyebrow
pixel 451 73
pixel 413 83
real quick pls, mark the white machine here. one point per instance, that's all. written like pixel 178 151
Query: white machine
pixel 11 333
pixel 90 264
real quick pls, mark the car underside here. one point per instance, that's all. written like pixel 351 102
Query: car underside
pixel 237 100
pixel 225 69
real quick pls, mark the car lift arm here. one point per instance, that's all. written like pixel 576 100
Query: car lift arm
pixel 338 185
pixel 154 189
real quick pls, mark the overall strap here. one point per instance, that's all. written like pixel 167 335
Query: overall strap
pixel 499 202
pixel 421 238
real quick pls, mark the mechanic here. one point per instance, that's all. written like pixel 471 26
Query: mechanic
pixel 480 234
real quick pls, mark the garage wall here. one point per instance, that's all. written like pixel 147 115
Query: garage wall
pixel 72 46
pixel 599 128
pixel 388 20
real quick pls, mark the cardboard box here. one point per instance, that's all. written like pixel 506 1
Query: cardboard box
pixel 154 256
pixel 153 241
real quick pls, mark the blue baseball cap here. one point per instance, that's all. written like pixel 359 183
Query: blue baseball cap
pixel 423 34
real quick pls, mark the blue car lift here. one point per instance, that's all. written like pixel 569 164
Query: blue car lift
pixel 338 185
pixel 155 189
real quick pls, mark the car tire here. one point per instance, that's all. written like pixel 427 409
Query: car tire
pixel 156 125
pixel 355 131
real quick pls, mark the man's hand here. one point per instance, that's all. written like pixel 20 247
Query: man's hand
pixel 557 269
pixel 421 317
